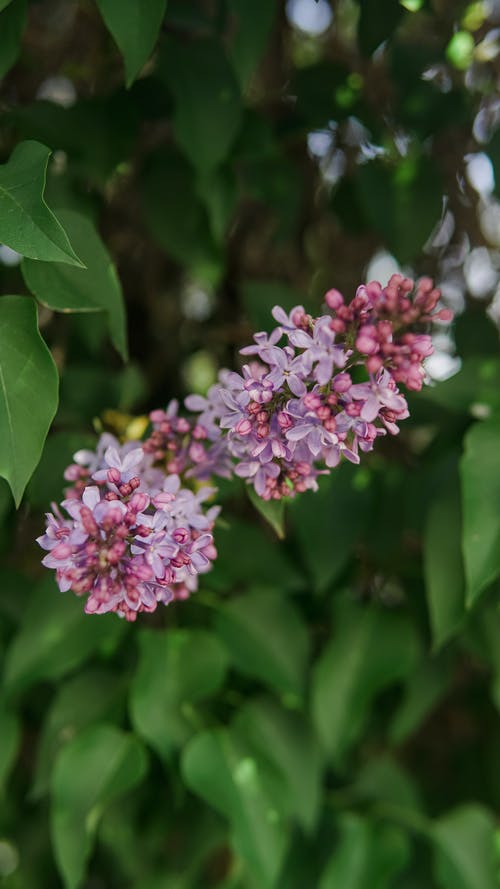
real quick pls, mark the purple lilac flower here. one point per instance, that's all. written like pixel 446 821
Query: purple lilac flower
pixel 124 543
pixel 295 412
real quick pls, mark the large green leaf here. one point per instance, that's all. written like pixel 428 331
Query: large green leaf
pixel 425 688
pixel 12 22
pixel 285 739
pixel 477 384
pixel 443 567
pixel 267 639
pixel 26 222
pixel 273 566
pixel 55 637
pixel 480 473
pixel 370 650
pixel 176 669
pixel 329 523
pixel 207 101
pixel 367 855
pixel 94 148
pixel 411 195
pixel 91 696
pixel 220 769
pixel 250 33
pixel 96 767
pixel 134 26
pixel 28 391
pixel 94 288
pixel 176 215
pixel 464 842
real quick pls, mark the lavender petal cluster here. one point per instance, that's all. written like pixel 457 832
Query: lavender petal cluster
pixel 128 536
pixel 299 406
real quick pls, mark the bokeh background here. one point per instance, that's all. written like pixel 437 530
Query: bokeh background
pixel 324 712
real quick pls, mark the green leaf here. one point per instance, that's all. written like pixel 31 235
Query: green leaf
pixel 370 650
pixel 285 740
pixel 55 637
pixel 10 736
pixel 176 215
pixel 425 688
pixel 91 696
pixel 251 29
pixel 480 475
pixel 383 780
pixel 411 195
pixel 443 567
pixel 367 854
pixel 272 568
pixel 134 26
pixel 207 102
pixel 328 523
pixel 26 223
pixel 272 510
pixel 219 768
pixel 95 149
pixel 464 849
pixel 176 669
pixel 94 288
pixel 218 191
pixel 28 391
pixel 267 639
pixel 478 383
pixel 95 768
pixel 12 22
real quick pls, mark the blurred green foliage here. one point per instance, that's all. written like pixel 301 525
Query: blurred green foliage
pixel 324 712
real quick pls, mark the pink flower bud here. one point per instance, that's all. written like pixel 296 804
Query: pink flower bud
pixel 197 452
pixel 312 402
pixel 373 364
pixel 157 416
pixel 342 382
pixel 444 315
pixel 61 551
pixel 200 432
pixel 334 299
pixel 303 468
pixel 181 535
pixel 284 421
pixel 366 345
pixel 243 427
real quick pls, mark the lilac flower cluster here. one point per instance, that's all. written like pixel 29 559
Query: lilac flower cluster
pixel 297 408
pixel 130 536
pixel 316 390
